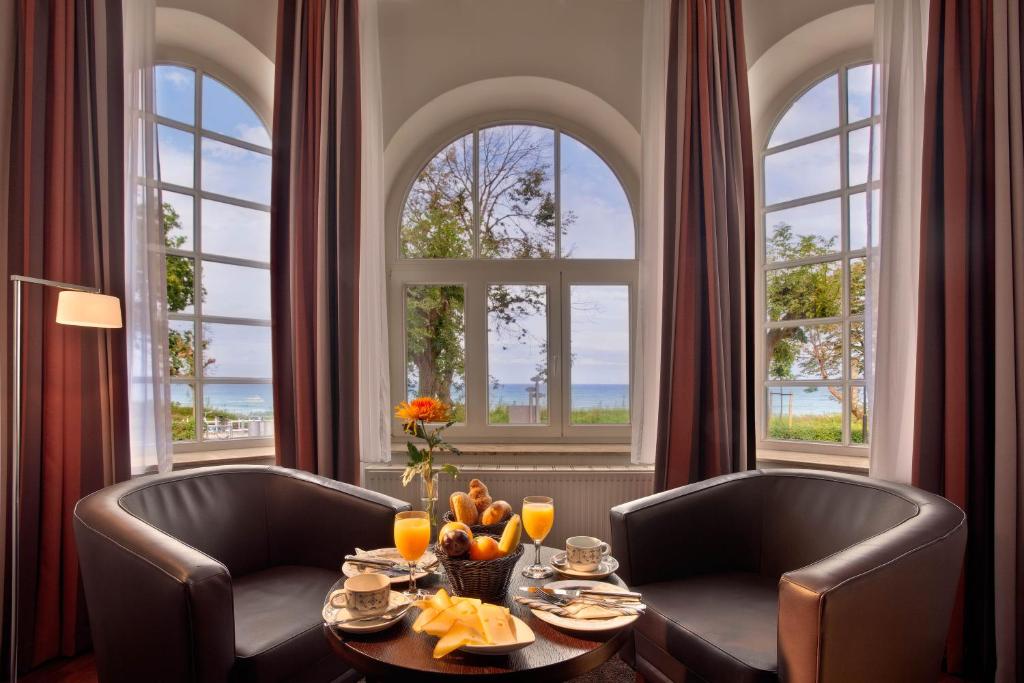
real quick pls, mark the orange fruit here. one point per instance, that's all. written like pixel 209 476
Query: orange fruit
pixel 484 548
pixel 455 525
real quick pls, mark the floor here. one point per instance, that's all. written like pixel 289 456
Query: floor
pixel 83 670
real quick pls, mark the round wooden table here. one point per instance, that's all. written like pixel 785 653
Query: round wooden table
pixel 398 654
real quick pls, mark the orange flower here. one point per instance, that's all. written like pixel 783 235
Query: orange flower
pixel 423 408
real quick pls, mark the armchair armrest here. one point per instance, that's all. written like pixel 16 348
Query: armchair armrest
pixel 316 521
pixel 152 599
pixel 694 529
pixel 885 604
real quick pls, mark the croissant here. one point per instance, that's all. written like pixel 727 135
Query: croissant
pixel 478 494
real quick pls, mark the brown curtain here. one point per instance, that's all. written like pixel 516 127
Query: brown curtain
pixel 955 406
pixel 1008 44
pixel 706 418
pixel 314 233
pixel 65 223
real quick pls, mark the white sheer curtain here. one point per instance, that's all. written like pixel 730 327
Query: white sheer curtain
pixel 374 385
pixel 647 354
pixel 900 37
pixel 145 308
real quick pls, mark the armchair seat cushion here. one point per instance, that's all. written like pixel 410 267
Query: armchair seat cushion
pixel 278 623
pixel 723 626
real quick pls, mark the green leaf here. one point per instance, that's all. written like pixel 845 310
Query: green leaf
pixel 450 469
pixel 415 455
pixel 453 449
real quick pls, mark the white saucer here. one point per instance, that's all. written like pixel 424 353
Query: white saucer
pixel 332 615
pixel 396 577
pixel 586 625
pixel 607 567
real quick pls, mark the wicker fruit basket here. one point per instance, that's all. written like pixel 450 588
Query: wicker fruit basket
pixel 484 579
pixel 486 529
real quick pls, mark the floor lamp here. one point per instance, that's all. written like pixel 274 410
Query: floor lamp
pixel 76 305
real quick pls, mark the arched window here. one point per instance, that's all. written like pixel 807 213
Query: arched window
pixel 214 179
pixel 512 280
pixel 815 219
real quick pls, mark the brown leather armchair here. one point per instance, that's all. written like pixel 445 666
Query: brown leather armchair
pixel 219 573
pixel 791 575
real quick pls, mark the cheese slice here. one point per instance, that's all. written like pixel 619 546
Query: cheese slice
pixel 441 600
pixel 442 623
pixel 459 635
pixel 498 627
pixel 424 618
pixel 473 601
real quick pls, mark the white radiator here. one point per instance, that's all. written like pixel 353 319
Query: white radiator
pixel 582 495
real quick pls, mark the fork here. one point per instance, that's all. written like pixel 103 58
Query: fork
pixel 563 602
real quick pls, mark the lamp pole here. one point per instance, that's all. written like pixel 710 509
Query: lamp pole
pixel 18 281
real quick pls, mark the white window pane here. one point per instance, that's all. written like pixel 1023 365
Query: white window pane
pixel 181 348
pixel 859 218
pixel 806 413
pixel 816 111
pixel 859 96
pixel 236 172
pixel 175 93
pixel 804 292
pixel 179 221
pixel 600 354
pixel 180 274
pixel 517 192
pixel 805 352
pixel 802 231
pixel 237 411
pixel 236 291
pixel 236 351
pixel 236 231
pixel 859 418
pixel 437 219
pixel 183 419
pixel 802 171
pixel 226 113
pixel 858 167
pixel 857 350
pixel 175 152
pixel 858 282
pixel 596 218
pixel 435 344
pixel 517 354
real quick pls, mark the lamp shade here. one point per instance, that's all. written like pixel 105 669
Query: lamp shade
pixel 86 309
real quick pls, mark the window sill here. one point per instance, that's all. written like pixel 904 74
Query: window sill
pixel 259 455
pixel 856 464
pixel 505 455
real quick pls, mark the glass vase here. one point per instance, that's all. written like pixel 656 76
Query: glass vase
pixel 428 500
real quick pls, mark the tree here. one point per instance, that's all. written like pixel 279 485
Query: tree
pixel 180 274
pixel 518 217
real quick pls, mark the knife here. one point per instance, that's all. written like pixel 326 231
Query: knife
pixel 577 592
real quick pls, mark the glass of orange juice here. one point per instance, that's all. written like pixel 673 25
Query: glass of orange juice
pixel 412 536
pixel 538 516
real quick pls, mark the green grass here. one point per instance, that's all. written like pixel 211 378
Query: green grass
pixel 824 428
pixel 583 416
pixel 183 421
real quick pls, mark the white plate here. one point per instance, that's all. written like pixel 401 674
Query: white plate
pixel 332 615
pixel 428 559
pixel 524 637
pixel 607 567
pixel 585 625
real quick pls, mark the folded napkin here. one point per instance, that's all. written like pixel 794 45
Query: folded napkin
pixel 579 609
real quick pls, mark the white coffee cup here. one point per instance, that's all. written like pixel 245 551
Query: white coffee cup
pixel 365 595
pixel 584 553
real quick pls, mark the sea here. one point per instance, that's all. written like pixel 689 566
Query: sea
pixel 258 399
pixel 583 395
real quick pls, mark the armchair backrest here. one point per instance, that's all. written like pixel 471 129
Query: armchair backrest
pixel 220 513
pixel 808 516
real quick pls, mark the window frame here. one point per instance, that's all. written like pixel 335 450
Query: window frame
pixel 476 273
pixel 197 318
pixel 843 257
